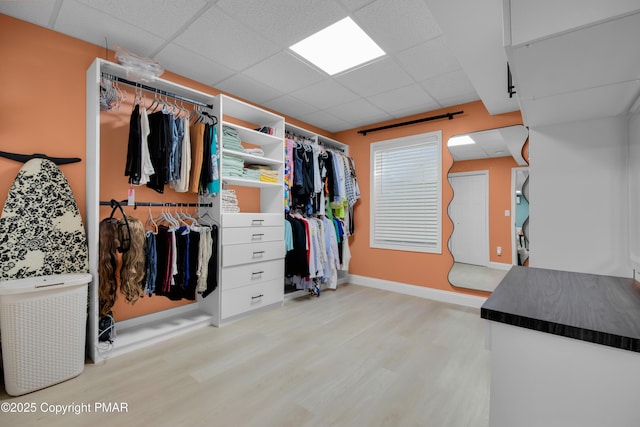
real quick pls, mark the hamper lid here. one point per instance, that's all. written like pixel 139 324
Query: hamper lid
pixel 31 284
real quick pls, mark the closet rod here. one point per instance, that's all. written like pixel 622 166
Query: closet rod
pixel 310 141
pixel 155 90
pixel 411 122
pixel 161 204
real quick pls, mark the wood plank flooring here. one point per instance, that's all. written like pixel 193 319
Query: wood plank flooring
pixel 353 357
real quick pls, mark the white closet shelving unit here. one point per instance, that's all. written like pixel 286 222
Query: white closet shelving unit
pixel 251 246
pixel 343 275
pixel 148 329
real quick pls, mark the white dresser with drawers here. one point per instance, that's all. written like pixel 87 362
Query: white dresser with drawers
pixel 252 264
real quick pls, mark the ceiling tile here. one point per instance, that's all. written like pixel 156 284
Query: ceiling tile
pixel 284 72
pixel 416 110
pixel 380 76
pixel 459 99
pixel 325 94
pixel 360 112
pixel 354 5
pixel 428 59
pixel 408 98
pixel 88 24
pixel 325 120
pixel 36 12
pixel 159 17
pixel 189 64
pixel 449 87
pixel 221 38
pixel 244 87
pixel 290 106
pixel 398 28
pixel 284 21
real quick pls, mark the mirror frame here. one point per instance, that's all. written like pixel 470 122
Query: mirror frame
pixel 519 153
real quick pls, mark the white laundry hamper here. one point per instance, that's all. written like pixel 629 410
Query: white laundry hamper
pixel 43 330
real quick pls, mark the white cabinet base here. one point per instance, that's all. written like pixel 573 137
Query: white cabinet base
pixel 541 379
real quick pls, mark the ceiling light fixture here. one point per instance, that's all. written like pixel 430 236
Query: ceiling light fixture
pixel 339 47
pixel 460 140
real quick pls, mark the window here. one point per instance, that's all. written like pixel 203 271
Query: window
pixel 406 189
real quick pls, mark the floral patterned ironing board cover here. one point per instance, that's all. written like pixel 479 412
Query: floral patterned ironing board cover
pixel 41 231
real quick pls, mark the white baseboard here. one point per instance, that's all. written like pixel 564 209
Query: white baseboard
pixel 419 291
pixel 500 266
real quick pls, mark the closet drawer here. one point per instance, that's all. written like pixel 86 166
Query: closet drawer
pixel 254 252
pixel 246 298
pixel 252 220
pixel 248 274
pixel 237 235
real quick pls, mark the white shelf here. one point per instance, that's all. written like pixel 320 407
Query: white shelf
pixel 252 136
pixel 139 333
pixel 253 159
pixel 231 180
pixel 250 113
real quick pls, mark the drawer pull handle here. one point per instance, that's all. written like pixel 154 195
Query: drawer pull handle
pixel 258 253
pixel 257 296
pixel 257 221
pixel 257 273
pixel 257 236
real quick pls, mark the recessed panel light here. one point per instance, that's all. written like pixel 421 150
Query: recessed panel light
pixel 460 140
pixel 338 47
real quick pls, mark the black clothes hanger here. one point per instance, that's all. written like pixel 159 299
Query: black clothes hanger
pixel 125 238
pixel 24 158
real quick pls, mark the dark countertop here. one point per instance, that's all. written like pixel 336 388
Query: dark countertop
pixel 599 309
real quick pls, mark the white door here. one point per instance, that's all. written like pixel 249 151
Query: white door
pixel 468 211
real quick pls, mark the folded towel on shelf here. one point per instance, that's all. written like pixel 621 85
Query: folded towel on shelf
pixel 230 159
pixel 229 201
pixel 265 178
pixel 232 166
pixel 231 139
pixel 230 209
pixel 251 174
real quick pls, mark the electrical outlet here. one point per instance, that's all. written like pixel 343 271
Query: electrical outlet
pixel 499 250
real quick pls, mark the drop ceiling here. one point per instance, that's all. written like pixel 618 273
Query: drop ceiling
pixel 241 47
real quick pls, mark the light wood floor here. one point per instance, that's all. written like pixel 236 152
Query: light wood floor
pixel 353 357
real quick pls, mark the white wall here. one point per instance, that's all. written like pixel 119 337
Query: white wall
pixel 579 197
pixel 634 192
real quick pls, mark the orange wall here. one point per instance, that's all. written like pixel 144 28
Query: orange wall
pixel 499 201
pixel 428 270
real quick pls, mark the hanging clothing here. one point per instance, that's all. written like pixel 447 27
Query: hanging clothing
pixel 296 262
pixel 197 154
pixel 134 148
pixel 206 174
pixel 146 164
pixel 151 263
pixel 159 140
pixel 213 187
pixel 212 267
pixel 181 184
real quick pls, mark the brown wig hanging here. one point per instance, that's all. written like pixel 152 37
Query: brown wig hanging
pixel 114 239
pixel 133 262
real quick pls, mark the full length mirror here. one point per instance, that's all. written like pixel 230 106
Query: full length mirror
pixel 490 207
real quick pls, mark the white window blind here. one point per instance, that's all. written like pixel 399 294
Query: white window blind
pixel 406 202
